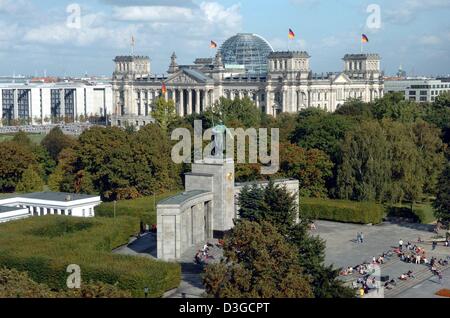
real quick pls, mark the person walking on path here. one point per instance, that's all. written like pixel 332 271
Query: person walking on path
pixel 434 245
pixel 400 245
pixel 358 238
pixel 362 238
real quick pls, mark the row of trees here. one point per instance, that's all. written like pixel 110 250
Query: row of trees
pixel 390 150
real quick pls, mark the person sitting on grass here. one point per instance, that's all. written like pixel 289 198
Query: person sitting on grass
pixel 403 277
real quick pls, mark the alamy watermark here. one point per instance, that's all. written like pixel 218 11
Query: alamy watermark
pixel 374 19
pixel 222 145
pixel 74 19
pixel 74 279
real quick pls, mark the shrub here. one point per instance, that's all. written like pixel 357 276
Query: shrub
pixel 342 211
pixel 45 246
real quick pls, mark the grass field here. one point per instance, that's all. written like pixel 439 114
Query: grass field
pixel 426 210
pixel 36 138
pixel 45 246
pixel 142 208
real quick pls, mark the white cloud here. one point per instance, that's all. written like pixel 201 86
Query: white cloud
pixel 153 14
pixel 405 11
pixel 430 40
pixel 94 29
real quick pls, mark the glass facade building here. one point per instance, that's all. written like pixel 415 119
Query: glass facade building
pixel 247 49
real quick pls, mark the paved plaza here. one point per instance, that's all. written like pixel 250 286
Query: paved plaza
pixel 343 251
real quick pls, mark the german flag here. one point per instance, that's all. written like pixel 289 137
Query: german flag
pixel 213 45
pixel 291 34
pixel 364 38
pixel 164 89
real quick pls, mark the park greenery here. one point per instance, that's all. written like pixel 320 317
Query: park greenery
pixel 365 161
pixel 44 247
pixel 389 151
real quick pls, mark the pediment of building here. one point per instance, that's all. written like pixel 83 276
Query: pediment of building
pixel 187 77
pixel 342 79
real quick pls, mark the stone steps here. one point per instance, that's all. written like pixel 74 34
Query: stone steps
pixel 420 277
pixel 355 276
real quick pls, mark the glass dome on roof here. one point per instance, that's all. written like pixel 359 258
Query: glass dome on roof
pixel 247 49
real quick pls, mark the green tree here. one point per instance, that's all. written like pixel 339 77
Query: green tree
pixel 394 106
pixel 30 181
pixel 55 141
pixel 311 167
pixel 317 129
pixel 354 107
pixel 164 113
pixel 438 113
pixel 22 139
pixel 153 169
pixel 442 203
pixel 14 160
pixel 364 170
pixel 235 113
pixel 259 263
pixel 275 205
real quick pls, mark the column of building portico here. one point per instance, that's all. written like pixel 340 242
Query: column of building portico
pixel 211 103
pixel 181 106
pixel 293 101
pixel 189 103
pixel 268 102
pixel 284 100
pixel 197 101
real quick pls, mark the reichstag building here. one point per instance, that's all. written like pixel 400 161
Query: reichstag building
pixel 245 66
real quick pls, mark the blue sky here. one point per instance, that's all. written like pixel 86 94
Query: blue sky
pixel 34 35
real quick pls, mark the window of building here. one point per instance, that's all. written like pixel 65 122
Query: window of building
pixel 23 103
pixel 69 104
pixel 423 93
pixel 8 105
pixel 423 98
pixel 412 93
pixel 90 212
pixel 55 104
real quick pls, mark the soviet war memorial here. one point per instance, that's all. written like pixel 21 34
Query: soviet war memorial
pixel 217 157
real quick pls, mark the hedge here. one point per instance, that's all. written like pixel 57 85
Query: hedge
pixel 342 211
pixel 45 246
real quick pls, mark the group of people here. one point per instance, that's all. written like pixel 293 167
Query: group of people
pixel 202 255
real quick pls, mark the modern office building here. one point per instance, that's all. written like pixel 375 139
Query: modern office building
pixel 43 103
pixel 245 66
pixel 420 90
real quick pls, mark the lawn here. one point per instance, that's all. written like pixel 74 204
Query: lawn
pixel 425 210
pixel 142 208
pixel 45 246
pixel 36 138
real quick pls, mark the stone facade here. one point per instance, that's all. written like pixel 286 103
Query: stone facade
pixel 288 86
pixel 207 208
